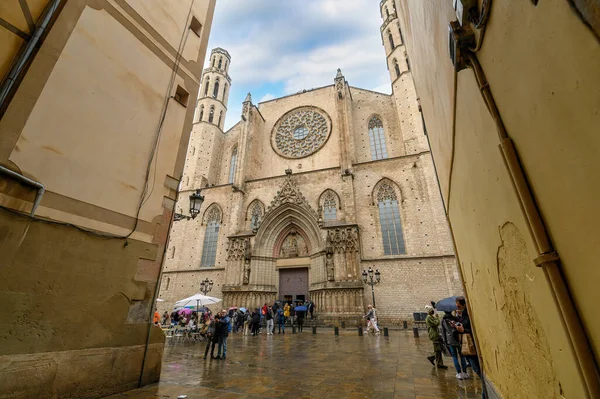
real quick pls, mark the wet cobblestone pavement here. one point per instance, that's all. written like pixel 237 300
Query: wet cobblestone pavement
pixel 309 366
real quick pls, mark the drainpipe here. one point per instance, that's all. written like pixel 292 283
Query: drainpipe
pixel 23 59
pixel 41 189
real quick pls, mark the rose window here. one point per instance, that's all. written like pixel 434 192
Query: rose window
pixel 301 132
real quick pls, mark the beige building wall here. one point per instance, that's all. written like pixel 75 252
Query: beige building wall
pixel 542 66
pixel 409 281
pixel 83 120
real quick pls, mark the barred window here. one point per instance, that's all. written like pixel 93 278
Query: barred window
pixel 377 139
pixel 329 207
pixel 389 219
pixel 232 165
pixel 211 236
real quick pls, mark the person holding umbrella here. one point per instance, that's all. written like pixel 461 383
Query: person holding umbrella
pixel 300 313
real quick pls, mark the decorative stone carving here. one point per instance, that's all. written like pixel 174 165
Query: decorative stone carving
pixel 386 193
pixel 237 248
pixel 329 265
pixel 301 132
pixel 344 239
pixel 290 193
pixel 293 246
pixel 247 257
pixel 339 83
pixel 256 215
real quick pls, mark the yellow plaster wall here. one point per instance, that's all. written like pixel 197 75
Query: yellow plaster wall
pixel 542 64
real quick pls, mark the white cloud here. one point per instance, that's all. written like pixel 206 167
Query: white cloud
pixel 299 44
pixel 266 97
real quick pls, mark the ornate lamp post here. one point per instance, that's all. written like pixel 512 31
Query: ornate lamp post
pixel 368 279
pixel 205 287
pixel 196 200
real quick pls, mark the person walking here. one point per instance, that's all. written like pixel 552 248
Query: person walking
pixel 247 322
pixel 223 335
pixel 255 322
pixel 433 322
pixel 451 339
pixel 311 308
pixel 212 337
pixel 281 320
pixel 371 317
pixel 269 317
pixel 300 319
pixel 166 318
pixel 286 312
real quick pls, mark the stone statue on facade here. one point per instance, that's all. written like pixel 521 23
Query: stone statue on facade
pixel 247 257
pixel 329 265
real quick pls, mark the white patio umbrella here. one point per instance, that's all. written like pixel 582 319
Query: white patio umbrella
pixel 195 301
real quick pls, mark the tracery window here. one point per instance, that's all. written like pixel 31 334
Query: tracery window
pixel 211 237
pixel 377 139
pixel 256 214
pixel 397 67
pixel 216 89
pixel 211 114
pixel 206 87
pixel 330 206
pixel 232 165
pixel 391 39
pixel 389 219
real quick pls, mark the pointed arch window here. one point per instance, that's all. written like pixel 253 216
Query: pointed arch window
pixel 391 39
pixel 211 114
pixel 225 65
pixel 211 237
pixel 377 139
pixel 206 87
pixel 216 89
pixel 407 62
pixel 256 214
pixel 396 68
pixel 387 12
pixel 224 92
pixel 201 115
pixel 220 63
pixel 232 165
pixel 220 118
pixel 389 220
pixel 330 206
pixel 213 61
pixel 168 283
pixel 400 31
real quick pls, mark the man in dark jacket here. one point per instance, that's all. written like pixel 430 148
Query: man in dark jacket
pixel 224 329
pixel 255 321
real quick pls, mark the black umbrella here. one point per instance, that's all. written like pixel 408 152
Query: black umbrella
pixel 446 304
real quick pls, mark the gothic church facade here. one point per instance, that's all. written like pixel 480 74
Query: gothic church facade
pixel 308 190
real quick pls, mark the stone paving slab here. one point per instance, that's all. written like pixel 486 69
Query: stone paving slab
pixel 309 366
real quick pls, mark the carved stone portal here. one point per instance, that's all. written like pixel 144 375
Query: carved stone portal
pixel 293 246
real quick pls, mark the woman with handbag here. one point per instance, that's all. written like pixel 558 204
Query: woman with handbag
pixel 463 326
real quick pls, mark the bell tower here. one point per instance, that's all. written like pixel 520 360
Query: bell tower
pixel 214 89
pixel 403 88
pixel 203 155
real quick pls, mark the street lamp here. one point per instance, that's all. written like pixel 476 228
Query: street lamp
pixel 196 200
pixel 205 287
pixel 368 279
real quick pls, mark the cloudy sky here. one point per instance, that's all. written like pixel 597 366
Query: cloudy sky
pixel 279 47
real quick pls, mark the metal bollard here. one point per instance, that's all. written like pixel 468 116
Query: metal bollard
pixel 405 324
pixel 314 329
pixel 336 330
pixel 416 332
pixel 360 331
pixel 386 332
pixel 293 329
